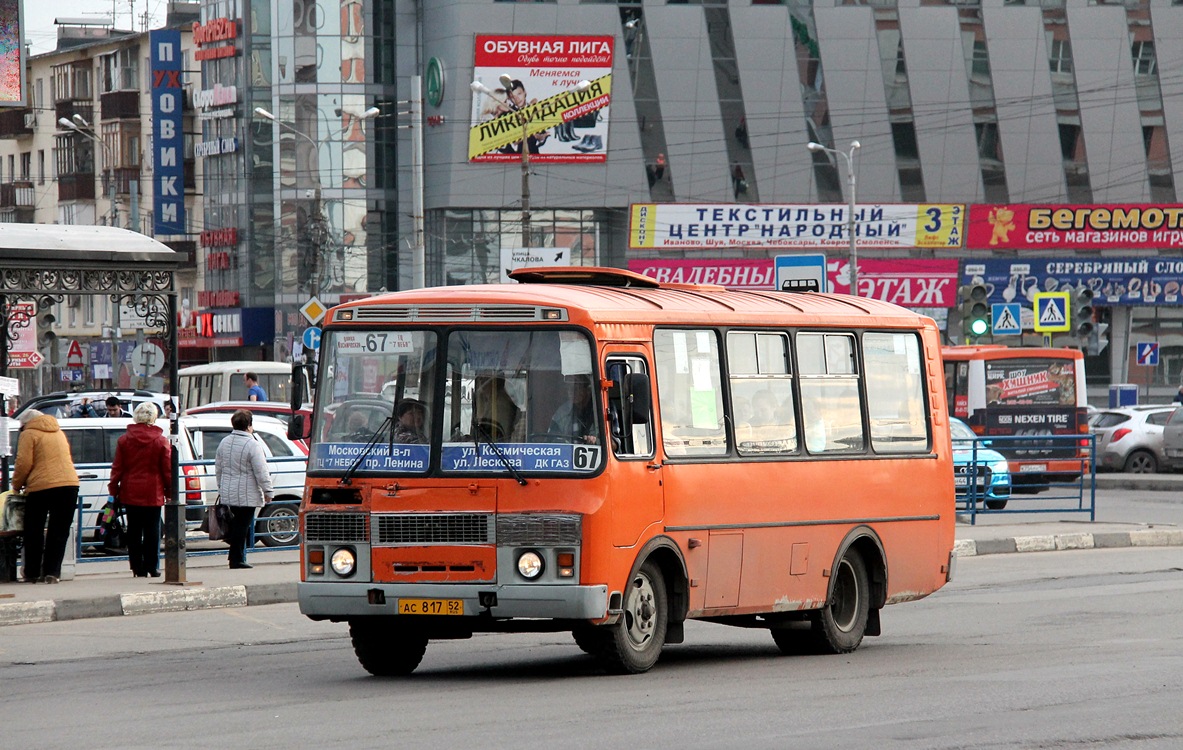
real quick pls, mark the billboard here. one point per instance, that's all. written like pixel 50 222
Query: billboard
pixel 12 54
pixel 1130 281
pixel 1022 226
pixel 909 282
pixel 529 89
pixel 168 179
pixel 684 226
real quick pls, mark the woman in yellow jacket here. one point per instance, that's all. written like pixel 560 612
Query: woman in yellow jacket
pixel 45 473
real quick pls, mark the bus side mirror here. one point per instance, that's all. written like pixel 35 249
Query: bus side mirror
pixel 297 390
pixel 637 396
pixel 296 427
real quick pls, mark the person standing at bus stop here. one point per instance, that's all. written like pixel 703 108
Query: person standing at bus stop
pixel 254 391
pixel 244 482
pixel 140 475
pixel 45 473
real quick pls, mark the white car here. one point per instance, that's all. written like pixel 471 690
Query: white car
pixel 92 446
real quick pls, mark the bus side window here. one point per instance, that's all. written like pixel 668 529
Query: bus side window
pixel 630 412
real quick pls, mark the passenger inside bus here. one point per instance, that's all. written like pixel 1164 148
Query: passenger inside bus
pixel 494 412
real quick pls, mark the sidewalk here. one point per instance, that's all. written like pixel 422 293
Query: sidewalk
pixel 107 588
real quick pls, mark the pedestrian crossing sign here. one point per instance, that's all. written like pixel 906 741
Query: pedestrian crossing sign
pixel 1005 319
pixel 1051 312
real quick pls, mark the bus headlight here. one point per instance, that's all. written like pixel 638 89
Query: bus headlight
pixel 530 564
pixel 343 562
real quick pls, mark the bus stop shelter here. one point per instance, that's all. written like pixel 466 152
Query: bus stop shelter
pixel 42 264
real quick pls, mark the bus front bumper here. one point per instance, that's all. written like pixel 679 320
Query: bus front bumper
pixel 343 600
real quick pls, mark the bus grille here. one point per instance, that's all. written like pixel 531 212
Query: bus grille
pixel 433 528
pixel 336 527
pixel 519 530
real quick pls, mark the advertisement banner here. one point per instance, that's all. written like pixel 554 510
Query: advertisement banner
pixel 903 281
pixel 1070 227
pixel 12 53
pixel 529 88
pixel 1113 281
pixel 22 341
pixel 699 226
pixel 168 180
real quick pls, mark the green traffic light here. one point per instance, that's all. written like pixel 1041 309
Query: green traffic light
pixel 979 327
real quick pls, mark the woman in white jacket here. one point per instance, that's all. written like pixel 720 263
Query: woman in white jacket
pixel 244 482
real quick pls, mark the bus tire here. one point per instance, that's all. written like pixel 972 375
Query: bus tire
pixel 384 648
pixel 278 525
pixel 839 626
pixel 634 643
pixel 590 639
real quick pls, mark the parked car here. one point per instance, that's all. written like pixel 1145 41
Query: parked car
pixel 986 465
pixel 1172 440
pixel 1130 438
pixel 63 404
pixel 278 522
pixel 92 446
pixel 276 409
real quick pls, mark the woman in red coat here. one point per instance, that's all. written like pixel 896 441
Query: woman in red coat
pixel 139 481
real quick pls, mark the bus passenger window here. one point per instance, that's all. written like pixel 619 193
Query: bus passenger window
pixel 830 403
pixel 895 392
pixel 761 393
pixel 690 392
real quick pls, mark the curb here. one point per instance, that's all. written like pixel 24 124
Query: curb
pixel 116 605
pixel 1056 542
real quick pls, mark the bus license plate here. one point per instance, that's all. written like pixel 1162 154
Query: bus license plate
pixel 431 606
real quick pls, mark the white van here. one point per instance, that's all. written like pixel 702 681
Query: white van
pixel 222 381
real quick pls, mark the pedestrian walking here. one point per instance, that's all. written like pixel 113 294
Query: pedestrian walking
pixel 45 473
pixel 140 476
pixel 244 482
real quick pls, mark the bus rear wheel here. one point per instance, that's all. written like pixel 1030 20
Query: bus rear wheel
pixel 839 626
pixel 385 648
pixel 633 644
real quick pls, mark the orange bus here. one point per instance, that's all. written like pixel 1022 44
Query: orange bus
pixel 1023 391
pixel 592 451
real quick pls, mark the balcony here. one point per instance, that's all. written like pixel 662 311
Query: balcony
pixel 17 201
pixel 76 187
pixel 67 108
pixel 16 123
pixel 120 105
pixel 122 177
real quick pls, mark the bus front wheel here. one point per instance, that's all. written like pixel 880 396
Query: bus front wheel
pixel 840 625
pixel 634 643
pixel 385 648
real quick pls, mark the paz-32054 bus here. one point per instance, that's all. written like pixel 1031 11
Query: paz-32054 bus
pixel 589 450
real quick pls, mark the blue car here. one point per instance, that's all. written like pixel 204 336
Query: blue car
pixel 988 465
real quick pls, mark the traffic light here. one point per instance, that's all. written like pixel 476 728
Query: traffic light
pixel 975 313
pixel 46 338
pixel 1082 311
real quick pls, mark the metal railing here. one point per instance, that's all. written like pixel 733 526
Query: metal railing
pixel 277 524
pixel 1068 485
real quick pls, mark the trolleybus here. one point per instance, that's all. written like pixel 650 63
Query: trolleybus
pixel 590 450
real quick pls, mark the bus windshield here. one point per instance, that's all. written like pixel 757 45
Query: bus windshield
pixel 500 401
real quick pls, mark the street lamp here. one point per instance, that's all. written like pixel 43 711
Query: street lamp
pixel 81 126
pixel 526 115
pixel 849 157
pixel 319 219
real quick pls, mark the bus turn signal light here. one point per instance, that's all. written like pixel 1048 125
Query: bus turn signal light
pixel 566 564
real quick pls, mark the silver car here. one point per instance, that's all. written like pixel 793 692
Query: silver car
pixel 1130 438
pixel 1172 440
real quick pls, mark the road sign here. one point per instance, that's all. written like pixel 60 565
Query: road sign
pixel 801 272
pixel 313 310
pixel 311 338
pixel 74 355
pixel 1148 353
pixel 1051 312
pixel 25 359
pixel 147 359
pixel 1006 319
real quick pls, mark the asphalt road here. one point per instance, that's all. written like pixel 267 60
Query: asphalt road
pixel 1049 650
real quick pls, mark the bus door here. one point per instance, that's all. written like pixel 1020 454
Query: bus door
pixel 635 472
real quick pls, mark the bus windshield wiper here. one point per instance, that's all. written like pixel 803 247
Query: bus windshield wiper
pixel 479 435
pixel 348 475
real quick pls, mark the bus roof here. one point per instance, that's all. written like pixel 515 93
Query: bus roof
pixel 1001 351
pixel 235 367
pixel 612 295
